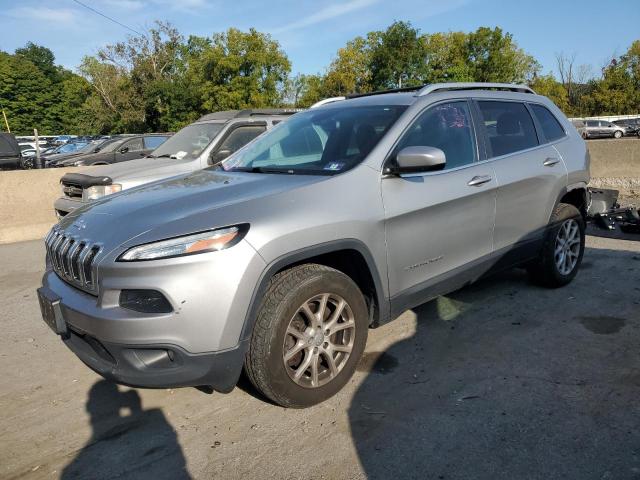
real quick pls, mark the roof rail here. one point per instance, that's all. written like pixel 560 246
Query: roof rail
pixel 443 87
pixel 250 112
pixel 327 100
pixel 383 92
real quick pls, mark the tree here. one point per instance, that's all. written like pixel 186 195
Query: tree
pixel 238 70
pixel 397 57
pixel 41 57
pixel 350 71
pixel 25 95
pixel 446 58
pixel 548 86
pixel 493 56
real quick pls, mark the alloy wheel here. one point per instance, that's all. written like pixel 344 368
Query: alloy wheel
pixel 319 340
pixel 567 248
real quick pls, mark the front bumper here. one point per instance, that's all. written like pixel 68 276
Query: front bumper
pixel 198 343
pixel 64 206
pixel 157 366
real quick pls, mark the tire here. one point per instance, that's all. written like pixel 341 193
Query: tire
pixel 283 328
pixel 617 134
pixel 552 269
pixel 28 163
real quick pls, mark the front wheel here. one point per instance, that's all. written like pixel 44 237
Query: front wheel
pixel 617 134
pixel 310 333
pixel 563 248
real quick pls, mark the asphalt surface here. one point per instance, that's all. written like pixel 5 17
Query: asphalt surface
pixel 501 380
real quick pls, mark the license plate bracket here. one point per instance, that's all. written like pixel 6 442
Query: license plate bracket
pixel 51 311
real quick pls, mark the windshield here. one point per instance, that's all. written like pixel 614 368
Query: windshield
pixel 111 144
pixel 70 147
pixel 325 141
pixel 189 142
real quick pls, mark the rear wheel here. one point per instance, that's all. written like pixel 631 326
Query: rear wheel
pixel 563 248
pixel 310 333
pixel 617 134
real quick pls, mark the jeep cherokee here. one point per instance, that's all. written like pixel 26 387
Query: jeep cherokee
pixel 279 259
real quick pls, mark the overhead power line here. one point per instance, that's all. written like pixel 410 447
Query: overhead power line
pixel 107 17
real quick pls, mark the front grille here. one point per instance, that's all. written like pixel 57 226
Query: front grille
pixel 72 191
pixel 73 259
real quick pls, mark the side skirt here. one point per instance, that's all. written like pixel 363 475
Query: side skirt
pixel 459 277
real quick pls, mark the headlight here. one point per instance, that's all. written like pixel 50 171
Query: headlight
pixel 99 191
pixel 210 241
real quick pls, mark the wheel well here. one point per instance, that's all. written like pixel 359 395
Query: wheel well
pixel 577 198
pixel 353 264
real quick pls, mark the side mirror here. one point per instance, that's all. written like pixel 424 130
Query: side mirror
pixel 220 155
pixel 124 150
pixel 419 159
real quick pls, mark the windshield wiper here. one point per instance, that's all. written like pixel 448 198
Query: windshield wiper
pixel 263 170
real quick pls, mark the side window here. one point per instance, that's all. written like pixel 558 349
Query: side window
pixel 134 145
pixel 151 143
pixel 509 126
pixel 550 126
pixel 592 123
pixel 446 126
pixel 240 137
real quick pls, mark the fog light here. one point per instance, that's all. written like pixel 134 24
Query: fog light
pixel 145 301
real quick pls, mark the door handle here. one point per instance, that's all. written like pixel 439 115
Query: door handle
pixel 550 162
pixel 479 180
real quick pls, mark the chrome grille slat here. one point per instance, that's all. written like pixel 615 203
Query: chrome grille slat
pixel 72 259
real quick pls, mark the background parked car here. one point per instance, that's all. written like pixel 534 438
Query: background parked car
pixel 631 126
pixel 202 144
pixel 9 152
pixel 52 159
pixel 119 150
pixel 602 128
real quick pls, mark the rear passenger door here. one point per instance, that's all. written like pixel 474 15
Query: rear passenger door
pixel 529 171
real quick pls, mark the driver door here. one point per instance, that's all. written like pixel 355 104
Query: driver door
pixel 438 224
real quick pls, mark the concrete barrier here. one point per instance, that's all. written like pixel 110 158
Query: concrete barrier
pixel 26 197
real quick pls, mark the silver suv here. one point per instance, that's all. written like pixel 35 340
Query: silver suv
pixel 602 129
pixel 208 141
pixel 279 259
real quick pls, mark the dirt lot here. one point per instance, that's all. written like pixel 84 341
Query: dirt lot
pixel 500 380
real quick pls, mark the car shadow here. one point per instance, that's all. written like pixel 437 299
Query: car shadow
pixel 504 379
pixel 126 440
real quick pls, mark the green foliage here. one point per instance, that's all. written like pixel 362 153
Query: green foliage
pixel 548 86
pixel 161 81
pixel 238 70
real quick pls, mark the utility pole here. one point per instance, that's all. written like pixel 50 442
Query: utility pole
pixel 6 122
pixel 35 134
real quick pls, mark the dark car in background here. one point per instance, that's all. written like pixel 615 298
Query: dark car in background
pixel 118 150
pixel 52 159
pixel 631 126
pixel 10 155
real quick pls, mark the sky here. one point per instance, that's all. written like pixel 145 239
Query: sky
pixel 311 31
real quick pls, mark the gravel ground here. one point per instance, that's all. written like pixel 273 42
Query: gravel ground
pixel 499 380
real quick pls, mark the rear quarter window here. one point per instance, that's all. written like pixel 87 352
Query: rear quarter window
pixel 548 122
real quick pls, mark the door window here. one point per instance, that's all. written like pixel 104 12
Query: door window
pixel 240 137
pixel 550 126
pixel 134 145
pixel 592 123
pixel 446 126
pixel 153 142
pixel 509 126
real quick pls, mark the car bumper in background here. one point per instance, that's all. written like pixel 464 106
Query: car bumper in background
pixel 64 206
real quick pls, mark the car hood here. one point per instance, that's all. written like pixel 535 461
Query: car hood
pixel 143 170
pixel 177 206
pixel 86 158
